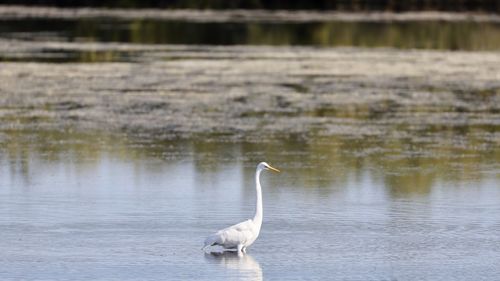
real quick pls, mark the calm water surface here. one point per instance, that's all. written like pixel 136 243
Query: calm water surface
pixel 440 35
pixel 95 206
pixel 107 207
pixel 444 35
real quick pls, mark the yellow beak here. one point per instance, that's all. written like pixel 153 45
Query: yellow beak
pixel 273 169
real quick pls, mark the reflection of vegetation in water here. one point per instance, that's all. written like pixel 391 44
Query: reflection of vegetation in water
pixel 425 35
pixel 420 35
pixel 406 34
pixel 103 56
pixel 406 167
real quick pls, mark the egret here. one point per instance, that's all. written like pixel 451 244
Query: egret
pixel 243 234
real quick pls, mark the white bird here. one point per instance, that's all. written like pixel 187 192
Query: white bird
pixel 243 234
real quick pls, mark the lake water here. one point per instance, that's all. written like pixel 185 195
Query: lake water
pixel 97 206
pixel 436 35
pixel 422 203
pixel 460 35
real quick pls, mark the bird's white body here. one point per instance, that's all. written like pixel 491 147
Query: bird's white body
pixel 240 236
pixel 237 237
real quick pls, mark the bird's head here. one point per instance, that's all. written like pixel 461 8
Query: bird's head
pixel 265 166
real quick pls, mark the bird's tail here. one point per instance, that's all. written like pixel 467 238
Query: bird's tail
pixel 210 241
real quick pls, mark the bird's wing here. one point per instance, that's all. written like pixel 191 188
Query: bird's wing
pixel 234 235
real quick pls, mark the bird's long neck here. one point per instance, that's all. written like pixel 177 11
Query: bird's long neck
pixel 258 205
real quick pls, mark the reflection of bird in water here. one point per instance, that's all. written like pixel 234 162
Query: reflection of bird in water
pixel 240 236
pixel 248 268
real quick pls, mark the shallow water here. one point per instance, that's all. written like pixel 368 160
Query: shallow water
pixel 393 187
pixel 80 206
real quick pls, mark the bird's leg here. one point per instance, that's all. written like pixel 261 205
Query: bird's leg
pixel 240 248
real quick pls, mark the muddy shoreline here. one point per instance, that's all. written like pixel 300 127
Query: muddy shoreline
pixel 16 12
pixel 243 92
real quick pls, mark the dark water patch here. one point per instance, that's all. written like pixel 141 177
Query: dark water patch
pixel 371 111
pixel 299 88
pixel 383 109
pixel 263 115
pixel 282 102
pixel 325 111
pixel 242 100
pixel 65 106
pixel 404 35
pixel 462 129
pixel 145 107
pixel 55 55
pixel 480 96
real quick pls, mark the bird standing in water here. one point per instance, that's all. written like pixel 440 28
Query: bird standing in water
pixel 240 236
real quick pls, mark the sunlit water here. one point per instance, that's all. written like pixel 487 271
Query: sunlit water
pixel 96 206
pixel 106 207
